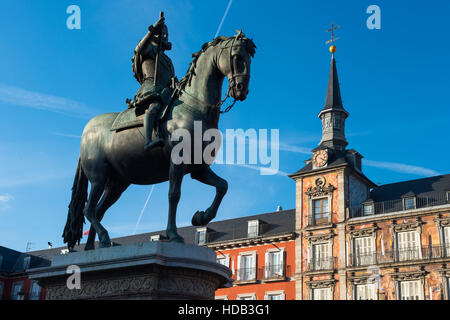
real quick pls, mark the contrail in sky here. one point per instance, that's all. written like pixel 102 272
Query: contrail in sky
pixel 223 18
pixel 143 209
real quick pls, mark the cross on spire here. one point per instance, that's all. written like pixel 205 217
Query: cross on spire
pixel 333 39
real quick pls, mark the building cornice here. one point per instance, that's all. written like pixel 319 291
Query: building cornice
pixel 237 243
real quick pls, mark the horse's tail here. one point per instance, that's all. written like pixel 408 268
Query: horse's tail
pixel 73 230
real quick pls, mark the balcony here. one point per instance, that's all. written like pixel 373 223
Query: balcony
pixel 245 275
pixel 398 205
pixel 319 219
pixel 274 273
pixel 269 273
pixel 321 264
pixel 400 255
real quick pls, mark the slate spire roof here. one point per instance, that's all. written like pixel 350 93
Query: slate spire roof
pixel 333 100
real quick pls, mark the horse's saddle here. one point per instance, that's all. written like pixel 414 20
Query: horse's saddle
pixel 134 117
pixel 130 118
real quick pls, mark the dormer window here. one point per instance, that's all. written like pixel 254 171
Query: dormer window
pixel 64 251
pixel 200 236
pixel 253 228
pixel 156 237
pixel 367 209
pixel 409 203
pixel 448 196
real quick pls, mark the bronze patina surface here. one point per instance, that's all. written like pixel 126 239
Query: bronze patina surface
pixel 112 160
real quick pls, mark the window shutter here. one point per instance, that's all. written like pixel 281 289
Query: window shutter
pixel 267 265
pixel 227 259
pixel 253 266
pixel 239 268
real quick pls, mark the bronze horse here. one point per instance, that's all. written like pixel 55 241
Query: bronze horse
pixel 112 160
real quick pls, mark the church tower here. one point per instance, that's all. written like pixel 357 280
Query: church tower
pixel 329 184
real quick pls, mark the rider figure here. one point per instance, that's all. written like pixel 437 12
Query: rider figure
pixel 150 97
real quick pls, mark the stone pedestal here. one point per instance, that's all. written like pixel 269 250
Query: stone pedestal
pixel 152 270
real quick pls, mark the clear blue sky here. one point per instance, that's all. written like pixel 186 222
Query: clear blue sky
pixel 394 84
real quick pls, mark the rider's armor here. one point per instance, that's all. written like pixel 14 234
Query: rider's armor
pixel 149 97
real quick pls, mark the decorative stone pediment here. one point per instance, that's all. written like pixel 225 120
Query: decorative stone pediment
pixel 443 222
pixel 366 232
pixel 320 189
pixel 364 279
pixel 407 276
pixel 319 237
pixel 316 284
pixel 408 226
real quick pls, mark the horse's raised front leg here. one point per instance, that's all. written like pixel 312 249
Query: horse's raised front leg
pixel 175 178
pixel 205 175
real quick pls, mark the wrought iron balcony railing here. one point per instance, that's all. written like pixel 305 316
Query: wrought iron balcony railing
pixel 245 274
pixel 319 219
pixel 315 264
pixel 275 272
pixel 371 208
pixel 399 255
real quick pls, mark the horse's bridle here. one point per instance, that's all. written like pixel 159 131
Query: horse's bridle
pixel 231 81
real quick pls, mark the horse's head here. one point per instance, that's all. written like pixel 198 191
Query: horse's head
pixel 234 63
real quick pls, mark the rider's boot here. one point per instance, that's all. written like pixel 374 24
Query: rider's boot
pixel 150 117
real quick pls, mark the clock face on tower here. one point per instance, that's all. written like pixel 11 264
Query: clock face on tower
pixel 320 158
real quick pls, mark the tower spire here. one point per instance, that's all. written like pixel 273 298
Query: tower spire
pixel 333 114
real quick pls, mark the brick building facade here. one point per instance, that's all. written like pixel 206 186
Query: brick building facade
pixel 346 239
pixel 358 240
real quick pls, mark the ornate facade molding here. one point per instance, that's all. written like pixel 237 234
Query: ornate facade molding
pixel 409 276
pixel 317 284
pixel 316 238
pixel 320 190
pixel 408 226
pixel 365 232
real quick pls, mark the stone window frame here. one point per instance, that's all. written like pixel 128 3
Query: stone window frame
pixel 258 228
pixel 404 198
pixel 362 280
pixel 255 266
pixel 319 191
pixel 32 284
pixel 282 252
pixel 325 238
pixel 362 233
pixel 366 204
pixel 225 297
pixel 277 292
pixel 226 257
pixel 244 295
pixel 405 227
pixel 198 231
pixel 320 284
pixel 400 277
pixel 441 224
pixel 445 283
pixel 21 283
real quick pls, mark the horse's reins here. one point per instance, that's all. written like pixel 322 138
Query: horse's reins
pixel 231 85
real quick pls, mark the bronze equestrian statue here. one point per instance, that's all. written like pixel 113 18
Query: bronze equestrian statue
pixel 112 154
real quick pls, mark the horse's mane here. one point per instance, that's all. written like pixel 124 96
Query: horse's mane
pixel 240 36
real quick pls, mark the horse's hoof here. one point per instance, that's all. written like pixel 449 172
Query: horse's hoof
pixel 89 247
pixel 174 237
pixel 198 219
pixel 105 244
